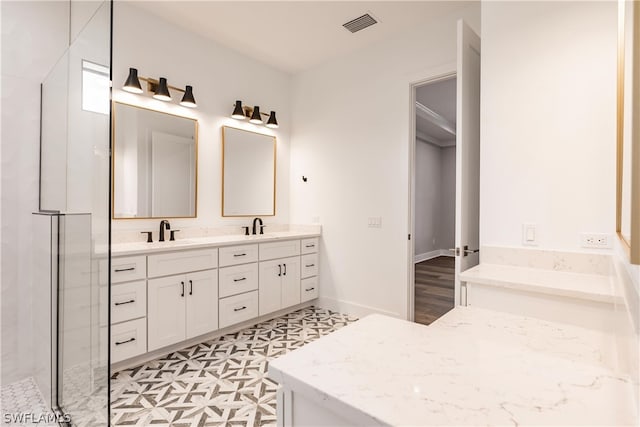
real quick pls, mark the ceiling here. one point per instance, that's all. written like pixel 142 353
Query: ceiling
pixel 439 97
pixel 296 35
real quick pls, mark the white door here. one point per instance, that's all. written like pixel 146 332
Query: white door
pixel 291 282
pixel 467 153
pixel 270 286
pixel 166 311
pixel 202 302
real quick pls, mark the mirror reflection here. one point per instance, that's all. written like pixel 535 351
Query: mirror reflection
pixel 248 177
pixel 154 164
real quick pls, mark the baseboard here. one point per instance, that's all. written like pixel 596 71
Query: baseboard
pixel 352 309
pixel 433 254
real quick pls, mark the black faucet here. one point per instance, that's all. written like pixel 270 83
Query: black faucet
pixel 162 225
pixel 254 226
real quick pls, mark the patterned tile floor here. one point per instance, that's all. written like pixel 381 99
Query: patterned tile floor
pixel 22 404
pixel 218 382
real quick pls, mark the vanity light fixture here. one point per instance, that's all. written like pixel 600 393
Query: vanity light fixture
pixel 159 88
pixel 254 115
pixel 162 91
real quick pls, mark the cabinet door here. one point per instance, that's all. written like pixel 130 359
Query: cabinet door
pixel 166 311
pixel 269 286
pixel 202 302
pixel 290 282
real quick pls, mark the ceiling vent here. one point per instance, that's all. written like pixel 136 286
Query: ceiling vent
pixel 360 23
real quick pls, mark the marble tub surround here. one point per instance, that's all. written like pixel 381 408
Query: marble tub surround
pixel 572 262
pixel 470 367
pixel 593 287
pixel 201 238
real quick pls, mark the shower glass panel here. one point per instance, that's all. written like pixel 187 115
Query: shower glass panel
pixel 75 184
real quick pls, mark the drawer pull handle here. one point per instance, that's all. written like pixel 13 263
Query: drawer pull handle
pixel 190 287
pixel 120 270
pixel 310 246
pixel 285 270
pixel 309 265
pixel 309 289
pixel 240 279
pixel 279 270
pixel 182 284
pixel 240 309
pixel 125 302
pixel 239 254
pixel 126 341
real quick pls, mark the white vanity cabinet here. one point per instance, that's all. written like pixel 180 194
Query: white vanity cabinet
pixel 128 306
pixel 309 269
pixel 162 299
pixel 182 306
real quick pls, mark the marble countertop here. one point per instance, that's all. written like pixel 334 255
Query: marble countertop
pixel 594 287
pixel 138 248
pixel 471 367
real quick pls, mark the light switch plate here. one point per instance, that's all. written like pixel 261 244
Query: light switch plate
pixel 529 234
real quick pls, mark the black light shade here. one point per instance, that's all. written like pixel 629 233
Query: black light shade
pixel 255 116
pixel 132 84
pixel 162 91
pixel 272 122
pixel 188 100
pixel 238 112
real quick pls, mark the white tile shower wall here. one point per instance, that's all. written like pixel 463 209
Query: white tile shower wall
pixel 45 230
pixel 219 76
pixel 576 262
pixel 41 29
pixel 539 161
pixel 358 164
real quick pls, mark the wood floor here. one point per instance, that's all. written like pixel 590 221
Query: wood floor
pixel 434 288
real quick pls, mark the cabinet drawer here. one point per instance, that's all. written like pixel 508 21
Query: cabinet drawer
pixel 124 269
pixel 234 255
pixel 309 246
pixel 238 279
pixel 309 265
pixel 128 339
pixel 182 262
pixel 275 250
pixel 238 308
pixel 128 301
pixel 308 289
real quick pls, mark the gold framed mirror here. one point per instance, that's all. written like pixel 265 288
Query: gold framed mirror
pixel 155 164
pixel 248 173
pixel 628 129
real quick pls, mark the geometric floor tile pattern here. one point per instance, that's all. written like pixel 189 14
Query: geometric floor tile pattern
pixel 221 382
pixel 20 398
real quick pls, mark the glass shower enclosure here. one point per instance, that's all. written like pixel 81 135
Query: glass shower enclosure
pixel 73 227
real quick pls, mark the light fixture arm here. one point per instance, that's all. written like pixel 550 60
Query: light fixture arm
pixel 152 84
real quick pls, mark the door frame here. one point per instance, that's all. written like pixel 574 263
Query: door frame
pixel 431 75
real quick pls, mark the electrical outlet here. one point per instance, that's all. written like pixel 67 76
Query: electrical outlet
pixel 595 240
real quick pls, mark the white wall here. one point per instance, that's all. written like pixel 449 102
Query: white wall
pixel 219 76
pixel 428 197
pixel 548 121
pixel 447 215
pixel 350 137
pixel 435 198
pixel 34 35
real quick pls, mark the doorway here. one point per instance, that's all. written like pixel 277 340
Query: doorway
pixel 443 128
pixel 435 193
